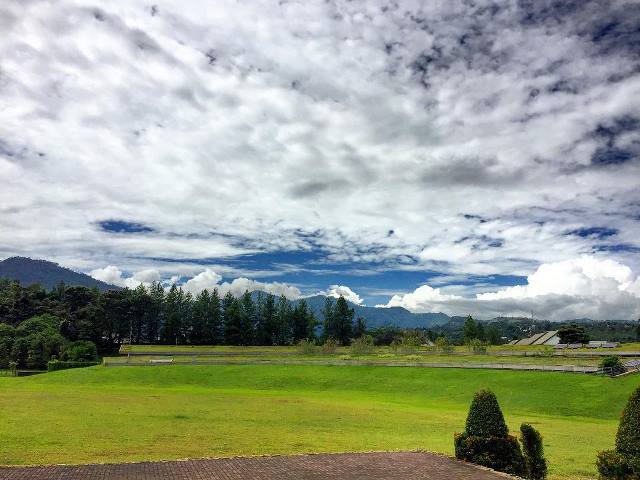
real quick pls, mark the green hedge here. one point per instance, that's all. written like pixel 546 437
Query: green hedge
pixel 500 453
pixel 54 365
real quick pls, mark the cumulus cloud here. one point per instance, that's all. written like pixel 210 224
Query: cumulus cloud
pixel 114 276
pixel 207 279
pixel 585 287
pixel 337 291
pixel 469 138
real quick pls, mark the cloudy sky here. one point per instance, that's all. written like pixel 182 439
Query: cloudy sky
pixel 458 156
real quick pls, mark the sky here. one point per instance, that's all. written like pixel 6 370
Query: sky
pixel 469 157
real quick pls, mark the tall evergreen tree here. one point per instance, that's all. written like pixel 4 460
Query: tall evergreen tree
pixel 247 319
pixel 343 316
pixel 199 319
pixel 214 329
pixel 303 322
pixel 329 319
pixel 172 313
pixel 283 322
pixel 267 325
pixel 232 320
pixel 155 312
pixel 469 330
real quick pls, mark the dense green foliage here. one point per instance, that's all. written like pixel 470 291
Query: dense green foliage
pixel 55 365
pixel 500 453
pixel 573 333
pixel 624 461
pixel 485 418
pixel 69 322
pixel 616 466
pixel 486 440
pixel 533 448
pixel 611 361
pixel 628 437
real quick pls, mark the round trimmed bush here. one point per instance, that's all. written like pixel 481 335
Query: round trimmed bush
pixel 628 437
pixel 485 418
pixel 500 453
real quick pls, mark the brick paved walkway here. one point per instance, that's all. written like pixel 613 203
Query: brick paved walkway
pixel 349 466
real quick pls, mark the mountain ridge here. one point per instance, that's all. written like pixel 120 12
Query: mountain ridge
pixel 29 271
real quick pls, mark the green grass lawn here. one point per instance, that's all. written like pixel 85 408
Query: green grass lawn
pixel 373 357
pixel 147 413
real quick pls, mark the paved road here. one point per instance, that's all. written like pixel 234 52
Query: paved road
pixel 349 466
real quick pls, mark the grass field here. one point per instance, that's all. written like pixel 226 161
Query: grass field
pixel 374 357
pixel 122 414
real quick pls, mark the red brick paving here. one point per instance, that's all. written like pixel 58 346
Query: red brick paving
pixel 348 466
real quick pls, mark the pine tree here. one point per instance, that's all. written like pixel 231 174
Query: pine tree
pixel 199 319
pixel 232 320
pixel 283 322
pixel 469 330
pixel 247 319
pixel 328 313
pixel 360 328
pixel 303 322
pixel 214 328
pixel 344 321
pixel 170 333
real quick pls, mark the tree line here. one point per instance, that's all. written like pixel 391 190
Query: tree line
pixel 155 315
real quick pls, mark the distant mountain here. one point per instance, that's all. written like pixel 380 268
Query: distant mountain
pixel 377 317
pixel 48 274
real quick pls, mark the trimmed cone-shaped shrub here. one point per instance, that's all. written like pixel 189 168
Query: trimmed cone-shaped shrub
pixel 486 440
pixel 623 463
pixel 485 418
pixel 536 465
pixel 500 453
pixel 628 437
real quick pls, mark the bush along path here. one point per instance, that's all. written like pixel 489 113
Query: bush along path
pixel 623 463
pixel 486 441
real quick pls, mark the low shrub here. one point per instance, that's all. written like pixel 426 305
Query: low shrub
pixel 478 347
pixel 535 463
pixel 329 347
pixel 624 461
pixel 615 466
pixel 442 345
pixel 80 351
pixel 612 362
pixel 362 345
pixel 307 347
pixel 55 365
pixel 406 344
pixel 500 453
pixel 486 440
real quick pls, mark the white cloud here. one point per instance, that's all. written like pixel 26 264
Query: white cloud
pixel 585 287
pixel 420 299
pixel 337 291
pixel 267 126
pixel 207 280
pixel 114 276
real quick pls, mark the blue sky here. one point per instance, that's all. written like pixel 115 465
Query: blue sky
pixel 441 156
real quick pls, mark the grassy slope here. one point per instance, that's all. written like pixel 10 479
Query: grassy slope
pixel 119 414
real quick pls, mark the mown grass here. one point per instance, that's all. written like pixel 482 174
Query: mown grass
pixel 148 413
pixel 381 358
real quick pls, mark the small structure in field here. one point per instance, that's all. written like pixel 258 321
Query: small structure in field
pixel 545 338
